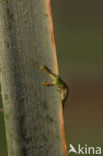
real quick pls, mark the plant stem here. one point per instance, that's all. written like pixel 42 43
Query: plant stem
pixel 31 111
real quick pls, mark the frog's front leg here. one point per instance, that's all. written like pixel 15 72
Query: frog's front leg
pixel 48 72
pixel 48 84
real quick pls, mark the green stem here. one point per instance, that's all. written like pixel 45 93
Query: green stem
pixel 31 111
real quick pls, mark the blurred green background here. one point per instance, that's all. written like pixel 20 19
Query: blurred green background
pixel 78 27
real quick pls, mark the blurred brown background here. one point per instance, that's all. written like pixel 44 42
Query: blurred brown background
pixel 78 26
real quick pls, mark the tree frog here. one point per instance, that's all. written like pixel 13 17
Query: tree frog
pixel 57 82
